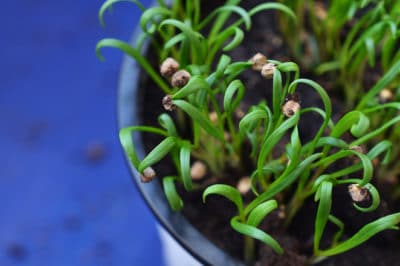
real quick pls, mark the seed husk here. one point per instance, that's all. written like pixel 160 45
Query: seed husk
pixel 168 104
pixel 180 78
pixel 385 96
pixel 357 193
pixel 290 108
pixel 168 67
pixel 244 185
pixel 258 60
pixel 198 170
pixel 148 175
pixel 268 70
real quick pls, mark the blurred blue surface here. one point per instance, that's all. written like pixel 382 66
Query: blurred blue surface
pixel 65 192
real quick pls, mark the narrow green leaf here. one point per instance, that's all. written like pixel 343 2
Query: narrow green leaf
pixel 200 118
pixel 375 199
pixel 195 39
pixel 384 146
pixel 178 38
pixel 166 122
pixel 276 6
pixel 251 119
pixel 329 141
pixel 149 17
pixel 389 76
pixel 325 100
pixel 350 120
pixel 370 46
pixel 295 142
pixel 273 138
pixel 376 132
pixel 223 63
pixel 126 139
pixel 238 36
pixel 174 200
pixel 259 212
pixel 361 127
pixel 135 54
pixel 108 5
pixel 256 233
pixel 365 162
pixel 228 192
pixel 283 181
pixel 195 84
pixel 323 212
pixel 234 69
pixel 230 103
pixel 158 153
pixel 327 67
pixel 230 8
pixel 318 111
pixel 184 159
pixel 277 99
pixel 365 233
pixel 339 224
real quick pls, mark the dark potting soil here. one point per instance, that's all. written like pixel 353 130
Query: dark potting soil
pixel 213 218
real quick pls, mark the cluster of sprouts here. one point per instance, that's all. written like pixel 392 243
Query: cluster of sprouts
pixel 204 85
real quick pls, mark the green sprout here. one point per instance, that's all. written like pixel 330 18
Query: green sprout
pixel 204 91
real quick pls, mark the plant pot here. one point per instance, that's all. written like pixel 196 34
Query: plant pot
pixel 173 222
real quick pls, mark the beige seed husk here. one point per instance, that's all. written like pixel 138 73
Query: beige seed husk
pixel 385 96
pixel 180 78
pixel 357 149
pixel 268 70
pixel 244 185
pixel 239 113
pixel 258 60
pixel 227 136
pixel 198 170
pixel 148 175
pixel 357 193
pixel 320 10
pixel 290 108
pixel 213 117
pixel 281 212
pixel 168 67
pixel 167 103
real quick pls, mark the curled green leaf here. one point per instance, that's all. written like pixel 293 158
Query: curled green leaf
pixel 375 199
pixel 228 192
pixel 236 87
pixel 195 84
pixel 148 20
pixel 174 200
pixel 256 233
pixel 323 212
pixel 365 233
pixel 135 54
pixel 200 118
pixel 166 122
pixel 126 139
pixel 107 5
pixel 227 9
pixel 184 159
pixel 259 212
pixel 158 153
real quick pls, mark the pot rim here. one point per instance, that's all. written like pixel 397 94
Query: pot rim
pixel 174 222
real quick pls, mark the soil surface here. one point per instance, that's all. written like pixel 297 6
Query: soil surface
pixel 213 218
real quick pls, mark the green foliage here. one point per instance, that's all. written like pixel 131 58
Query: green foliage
pixel 264 143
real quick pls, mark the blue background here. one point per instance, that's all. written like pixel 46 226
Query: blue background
pixel 65 192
